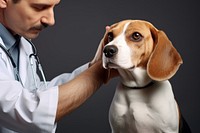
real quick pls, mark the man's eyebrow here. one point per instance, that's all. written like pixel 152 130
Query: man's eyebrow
pixel 39 3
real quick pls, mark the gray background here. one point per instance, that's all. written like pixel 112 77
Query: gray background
pixel 80 26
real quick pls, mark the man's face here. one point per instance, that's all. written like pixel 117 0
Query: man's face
pixel 28 17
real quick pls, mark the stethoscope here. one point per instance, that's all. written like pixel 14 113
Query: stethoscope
pixel 32 57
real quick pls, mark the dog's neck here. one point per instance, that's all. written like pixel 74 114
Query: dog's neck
pixel 134 78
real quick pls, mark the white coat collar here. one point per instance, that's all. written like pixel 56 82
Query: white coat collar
pixel 24 65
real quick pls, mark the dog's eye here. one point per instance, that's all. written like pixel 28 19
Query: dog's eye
pixel 136 36
pixel 110 36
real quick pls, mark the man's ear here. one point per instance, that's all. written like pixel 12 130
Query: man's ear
pixel 3 3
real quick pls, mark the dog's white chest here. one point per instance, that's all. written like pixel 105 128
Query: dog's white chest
pixel 149 110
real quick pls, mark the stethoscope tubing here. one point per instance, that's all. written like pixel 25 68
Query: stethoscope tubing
pixel 34 54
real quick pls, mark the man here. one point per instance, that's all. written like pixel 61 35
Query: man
pixel 24 107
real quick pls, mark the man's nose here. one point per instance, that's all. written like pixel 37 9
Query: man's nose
pixel 48 18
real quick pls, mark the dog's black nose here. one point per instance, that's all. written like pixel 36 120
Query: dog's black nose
pixel 110 51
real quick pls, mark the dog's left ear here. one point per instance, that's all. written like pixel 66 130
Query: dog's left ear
pixel 99 52
pixel 165 60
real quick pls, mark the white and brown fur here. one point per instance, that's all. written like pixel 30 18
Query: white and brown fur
pixel 145 59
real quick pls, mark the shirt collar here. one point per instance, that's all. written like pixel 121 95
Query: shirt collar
pixel 7 37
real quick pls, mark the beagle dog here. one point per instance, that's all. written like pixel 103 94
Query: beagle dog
pixel 145 59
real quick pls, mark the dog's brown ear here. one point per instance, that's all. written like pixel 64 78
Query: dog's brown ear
pixel 99 52
pixel 165 60
pixel 104 42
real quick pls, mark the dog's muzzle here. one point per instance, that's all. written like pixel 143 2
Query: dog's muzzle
pixel 110 51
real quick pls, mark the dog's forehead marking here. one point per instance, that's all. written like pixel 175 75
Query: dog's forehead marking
pixel 129 26
pixel 125 27
pixel 118 28
pixel 120 37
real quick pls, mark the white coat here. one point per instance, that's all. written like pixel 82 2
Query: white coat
pixel 22 109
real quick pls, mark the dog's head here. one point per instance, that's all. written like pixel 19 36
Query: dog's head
pixel 135 43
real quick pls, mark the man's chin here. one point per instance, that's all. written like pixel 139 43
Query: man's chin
pixel 32 35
